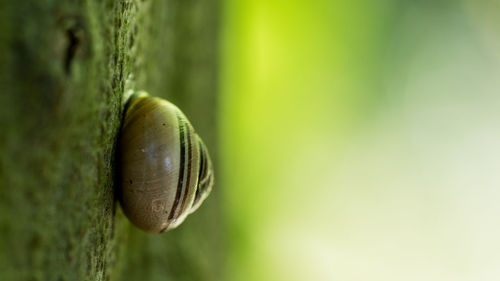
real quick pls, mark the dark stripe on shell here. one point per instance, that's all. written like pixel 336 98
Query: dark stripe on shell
pixel 181 167
pixel 135 102
pixel 201 173
pixel 188 178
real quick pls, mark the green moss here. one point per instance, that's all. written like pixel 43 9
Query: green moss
pixel 64 68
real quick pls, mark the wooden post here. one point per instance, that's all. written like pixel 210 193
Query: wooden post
pixel 64 69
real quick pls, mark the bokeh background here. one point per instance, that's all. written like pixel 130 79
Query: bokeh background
pixel 359 140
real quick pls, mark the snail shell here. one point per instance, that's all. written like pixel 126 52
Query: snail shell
pixel 166 171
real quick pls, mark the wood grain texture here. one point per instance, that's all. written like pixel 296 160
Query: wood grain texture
pixel 64 69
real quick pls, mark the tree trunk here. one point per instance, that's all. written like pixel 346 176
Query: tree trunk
pixel 65 68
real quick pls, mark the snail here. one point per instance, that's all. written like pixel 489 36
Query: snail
pixel 165 169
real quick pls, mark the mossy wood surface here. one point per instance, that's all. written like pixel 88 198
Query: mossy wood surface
pixel 65 67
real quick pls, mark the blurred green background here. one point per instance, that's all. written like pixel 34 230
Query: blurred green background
pixel 359 140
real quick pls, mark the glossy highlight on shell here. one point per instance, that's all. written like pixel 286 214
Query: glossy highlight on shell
pixel 165 169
